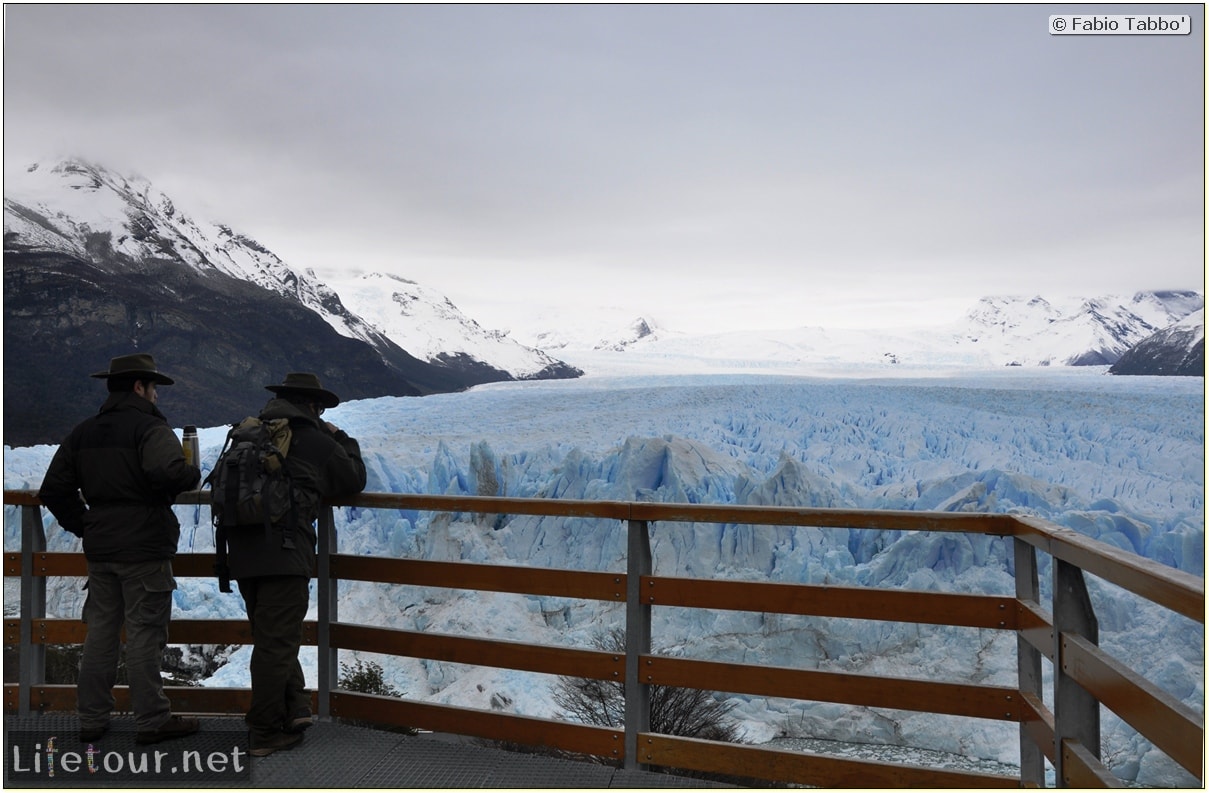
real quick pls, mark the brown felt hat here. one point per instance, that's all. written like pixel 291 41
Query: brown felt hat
pixel 137 366
pixel 307 384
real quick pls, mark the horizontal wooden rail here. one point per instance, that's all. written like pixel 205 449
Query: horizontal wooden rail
pixel 1035 626
pixel 491 724
pixel 185 699
pixel 1082 769
pixel 974 523
pixel 49 630
pixel 481 652
pixel 1181 592
pixel 484 577
pixel 67 563
pixel 1037 721
pixel 22 498
pixel 868 603
pixel 1174 589
pixel 1170 724
pixel 878 691
pixel 812 769
pixel 490 505
pixel 905 520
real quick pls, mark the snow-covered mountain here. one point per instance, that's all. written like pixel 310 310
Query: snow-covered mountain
pixel 428 325
pixel 88 212
pixel 555 328
pixel 998 331
pixel 83 210
pixel 1177 350
pixel 1091 332
pixel 96 264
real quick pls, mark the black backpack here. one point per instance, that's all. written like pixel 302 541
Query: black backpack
pixel 250 486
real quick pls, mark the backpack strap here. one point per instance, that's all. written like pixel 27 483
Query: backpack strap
pixel 221 570
pixel 287 528
pixel 220 558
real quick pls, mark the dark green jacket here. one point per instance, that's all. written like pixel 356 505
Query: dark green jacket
pixel 113 481
pixel 321 465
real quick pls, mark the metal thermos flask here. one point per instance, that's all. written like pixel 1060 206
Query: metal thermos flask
pixel 190 446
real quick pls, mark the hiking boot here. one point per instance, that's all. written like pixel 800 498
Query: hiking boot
pixel 302 720
pixel 90 734
pixel 279 742
pixel 174 727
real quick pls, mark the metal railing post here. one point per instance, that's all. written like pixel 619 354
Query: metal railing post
pixel 31 663
pixel 637 641
pixel 1028 662
pixel 1076 712
pixel 326 593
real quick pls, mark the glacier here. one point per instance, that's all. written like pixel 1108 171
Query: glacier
pixel 1118 459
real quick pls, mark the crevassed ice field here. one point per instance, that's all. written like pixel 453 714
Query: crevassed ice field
pixel 1120 459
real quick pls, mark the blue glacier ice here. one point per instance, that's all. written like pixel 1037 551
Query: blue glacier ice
pixel 1118 459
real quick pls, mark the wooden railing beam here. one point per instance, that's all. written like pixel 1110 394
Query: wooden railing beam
pixel 1181 592
pixel 1171 725
pixel 482 577
pixel 570 662
pixel 863 603
pixel 875 691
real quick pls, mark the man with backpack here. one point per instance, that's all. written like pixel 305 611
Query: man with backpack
pixel 273 558
pixel 112 482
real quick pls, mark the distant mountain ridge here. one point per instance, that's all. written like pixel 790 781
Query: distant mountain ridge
pixel 997 331
pixel 1178 350
pixel 84 210
pixel 1076 332
pixel 427 324
pixel 97 264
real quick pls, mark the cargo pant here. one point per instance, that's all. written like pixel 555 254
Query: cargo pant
pixel 276 608
pixel 138 594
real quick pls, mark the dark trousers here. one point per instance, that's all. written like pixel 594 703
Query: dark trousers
pixel 139 595
pixel 276 608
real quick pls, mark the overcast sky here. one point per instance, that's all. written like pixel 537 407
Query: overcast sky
pixel 711 166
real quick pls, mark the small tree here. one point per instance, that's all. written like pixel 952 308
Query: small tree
pixel 366 677
pixel 687 712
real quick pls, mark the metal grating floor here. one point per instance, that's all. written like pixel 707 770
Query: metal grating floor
pixel 342 756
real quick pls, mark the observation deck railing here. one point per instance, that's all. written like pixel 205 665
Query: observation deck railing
pixel 1083 679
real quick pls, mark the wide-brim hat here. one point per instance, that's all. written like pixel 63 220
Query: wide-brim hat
pixel 137 366
pixel 308 384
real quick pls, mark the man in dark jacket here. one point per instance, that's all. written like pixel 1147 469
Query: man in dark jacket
pixel 323 463
pixel 113 482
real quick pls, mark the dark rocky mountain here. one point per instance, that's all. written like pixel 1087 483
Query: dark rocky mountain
pixel 1178 350
pixel 223 340
pixel 97 265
